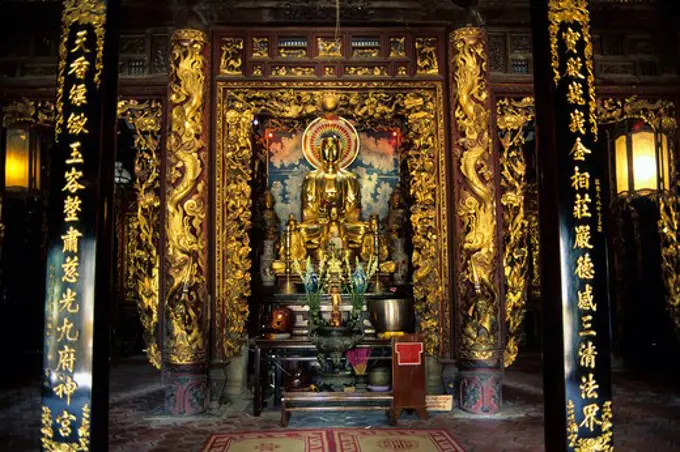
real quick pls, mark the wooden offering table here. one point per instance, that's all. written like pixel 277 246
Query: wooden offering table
pixel 294 349
pixel 335 401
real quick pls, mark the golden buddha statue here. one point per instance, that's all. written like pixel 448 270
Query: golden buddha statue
pixel 330 186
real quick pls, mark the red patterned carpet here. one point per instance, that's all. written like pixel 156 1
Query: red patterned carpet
pixel 335 440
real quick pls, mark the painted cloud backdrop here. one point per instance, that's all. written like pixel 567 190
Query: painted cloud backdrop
pixel 376 166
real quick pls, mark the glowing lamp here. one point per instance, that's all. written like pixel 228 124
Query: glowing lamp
pixel 641 160
pixel 22 160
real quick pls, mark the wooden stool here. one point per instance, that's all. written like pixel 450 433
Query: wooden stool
pixel 337 401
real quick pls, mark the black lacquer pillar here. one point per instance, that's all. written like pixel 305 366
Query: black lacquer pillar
pixel 577 387
pixel 79 241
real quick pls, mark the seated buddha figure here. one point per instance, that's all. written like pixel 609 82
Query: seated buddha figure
pixel 329 186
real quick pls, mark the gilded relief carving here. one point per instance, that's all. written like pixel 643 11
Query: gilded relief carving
pixel 512 117
pixel 144 259
pixel 330 47
pixel 426 56
pixel 260 47
pixel 186 195
pixel 669 228
pixel 366 71
pixel 420 104
pixel 294 71
pixel 398 47
pixel 28 111
pixel 478 285
pixel 231 61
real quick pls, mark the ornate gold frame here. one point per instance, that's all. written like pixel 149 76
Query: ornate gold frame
pixel 422 106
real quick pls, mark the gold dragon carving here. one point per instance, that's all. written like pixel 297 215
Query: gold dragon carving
pixel 186 197
pixel 513 115
pixel 478 291
pixel 421 107
pixel 145 117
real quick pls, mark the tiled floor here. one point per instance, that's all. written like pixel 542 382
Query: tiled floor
pixel 646 416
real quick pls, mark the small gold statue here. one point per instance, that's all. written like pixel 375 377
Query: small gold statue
pixel 336 315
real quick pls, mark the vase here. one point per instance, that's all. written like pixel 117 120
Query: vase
pixel 380 376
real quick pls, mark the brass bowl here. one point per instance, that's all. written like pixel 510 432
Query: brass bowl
pixel 391 314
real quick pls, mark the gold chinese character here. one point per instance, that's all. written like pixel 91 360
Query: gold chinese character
pixel 587 352
pixel 586 300
pixel 575 94
pixel 607 416
pixel 585 269
pixel 67 301
pixel 76 156
pixel 589 419
pixel 579 151
pixel 70 270
pixel 64 420
pixel 79 67
pixel 76 124
pixel 66 388
pixel 574 66
pixel 46 429
pixel 582 239
pixel 81 39
pixel 70 240
pixel 589 387
pixel 77 95
pixel 571 38
pixel 580 179
pixel 72 184
pixel 577 122
pixel 586 323
pixel 72 208
pixel 581 206
pixel 67 359
pixel 65 331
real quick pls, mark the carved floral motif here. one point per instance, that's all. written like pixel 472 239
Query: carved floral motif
pixel 512 117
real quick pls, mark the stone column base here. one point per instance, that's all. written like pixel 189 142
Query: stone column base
pixel 186 389
pixel 481 390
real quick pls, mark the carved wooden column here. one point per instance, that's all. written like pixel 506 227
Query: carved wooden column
pixel 478 282
pixel 186 316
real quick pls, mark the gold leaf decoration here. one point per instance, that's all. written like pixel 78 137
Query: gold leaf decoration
pixel 421 104
pixel 145 117
pixel 478 282
pixel 186 197
pixel 513 115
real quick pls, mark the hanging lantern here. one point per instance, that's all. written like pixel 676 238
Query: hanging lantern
pixel 22 160
pixel 641 159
